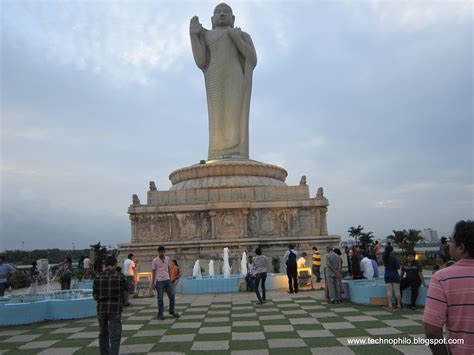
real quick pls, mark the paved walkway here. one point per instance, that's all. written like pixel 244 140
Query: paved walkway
pixel 230 324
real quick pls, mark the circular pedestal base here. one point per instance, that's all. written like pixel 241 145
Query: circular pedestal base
pixel 228 173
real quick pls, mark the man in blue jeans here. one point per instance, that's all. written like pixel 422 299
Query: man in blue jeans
pixel 109 290
pixel 160 267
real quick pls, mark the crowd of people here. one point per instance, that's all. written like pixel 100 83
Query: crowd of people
pixel 447 309
pixel 448 302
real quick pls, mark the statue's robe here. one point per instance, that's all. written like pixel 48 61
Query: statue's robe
pixel 228 77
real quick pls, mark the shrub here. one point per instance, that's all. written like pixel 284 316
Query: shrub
pixel 19 279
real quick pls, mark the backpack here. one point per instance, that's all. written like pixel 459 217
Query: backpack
pixel 291 261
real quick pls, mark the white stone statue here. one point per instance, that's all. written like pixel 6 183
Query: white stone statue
pixel 197 270
pixel 227 57
pixel 211 268
pixel 243 265
pixel 226 263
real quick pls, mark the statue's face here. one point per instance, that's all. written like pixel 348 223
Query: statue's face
pixel 223 16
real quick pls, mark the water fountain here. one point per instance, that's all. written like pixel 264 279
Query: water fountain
pixel 197 270
pixel 42 302
pixel 211 268
pixel 226 269
pixel 243 265
pixel 374 292
pixel 53 305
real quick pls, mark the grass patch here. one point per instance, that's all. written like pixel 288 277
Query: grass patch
pixel 211 324
pixel 140 340
pixel 182 347
pixel 5 346
pixel 248 344
pixel 322 342
pixel 88 351
pixel 72 343
pixel 255 328
pixel 45 337
pixel 181 331
pixel 345 333
pixel 213 337
pixel 413 329
pixel 281 335
pixel 374 349
pixel 308 327
pixel 369 324
pixel 286 351
pixel 275 322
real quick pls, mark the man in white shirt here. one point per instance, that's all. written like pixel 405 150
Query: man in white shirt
pixel 129 267
pixel 367 268
pixel 301 261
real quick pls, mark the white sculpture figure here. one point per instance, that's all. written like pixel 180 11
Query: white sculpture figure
pixel 243 265
pixel 197 270
pixel 226 263
pixel 211 268
pixel 227 57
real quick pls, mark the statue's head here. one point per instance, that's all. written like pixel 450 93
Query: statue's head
pixel 223 16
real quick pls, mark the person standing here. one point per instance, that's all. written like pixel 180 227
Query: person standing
pixel 5 270
pixel 129 267
pixel 449 303
pixel 260 272
pixel 377 252
pixel 333 262
pixel 391 277
pixel 161 282
pixel 87 267
pixel 440 262
pixel 316 264
pixel 250 277
pixel 413 279
pixel 109 289
pixel 444 248
pixel 65 274
pixel 174 272
pixel 291 269
pixel 355 264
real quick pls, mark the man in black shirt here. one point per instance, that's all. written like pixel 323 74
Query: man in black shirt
pixel 414 278
pixel 109 291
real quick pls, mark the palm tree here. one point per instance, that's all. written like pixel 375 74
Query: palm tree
pixel 355 232
pixel 413 237
pixel 366 239
pixel 399 239
pixel 406 240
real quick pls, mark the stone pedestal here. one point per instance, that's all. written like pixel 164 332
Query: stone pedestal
pixel 240 204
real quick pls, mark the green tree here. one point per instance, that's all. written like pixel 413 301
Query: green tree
pixel 413 238
pixel 355 232
pixel 366 239
pixel 406 240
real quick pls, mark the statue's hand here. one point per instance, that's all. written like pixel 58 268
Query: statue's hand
pixel 234 33
pixel 195 26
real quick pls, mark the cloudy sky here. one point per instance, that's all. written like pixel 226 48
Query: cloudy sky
pixel 373 100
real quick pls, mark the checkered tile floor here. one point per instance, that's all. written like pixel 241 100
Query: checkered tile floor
pixel 230 324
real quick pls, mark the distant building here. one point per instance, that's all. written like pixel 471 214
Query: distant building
pixel 429 235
